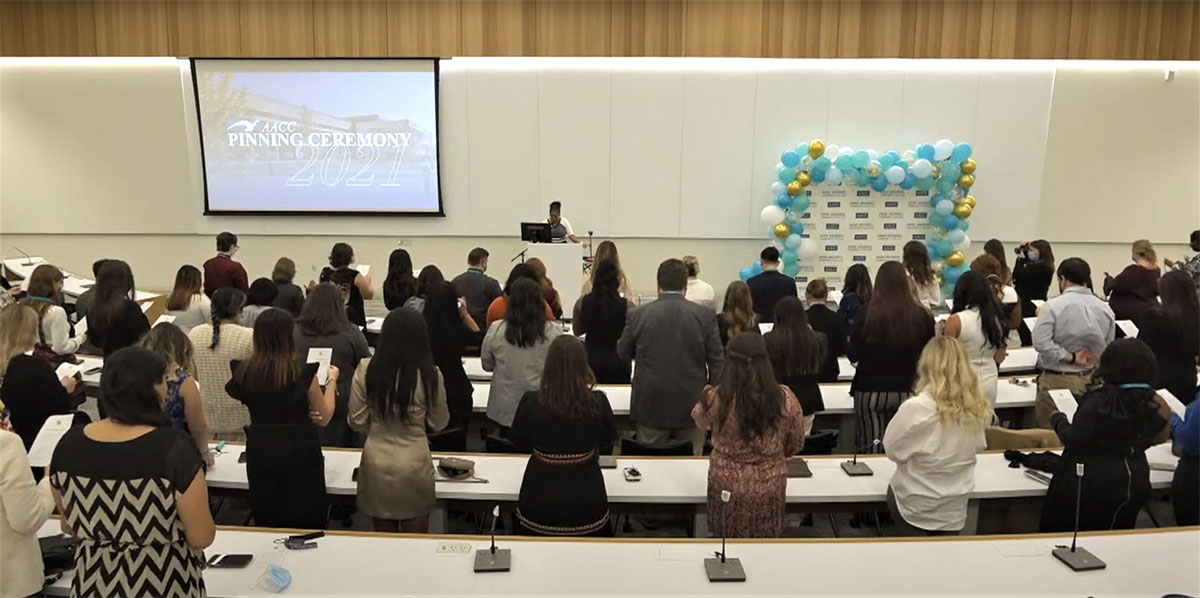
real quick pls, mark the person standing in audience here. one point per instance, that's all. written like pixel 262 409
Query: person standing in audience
pixel 515 350
pixel 45 297
pixel 737 314
pixel 548 290
pixel 476 287
pixel 678 348
pixel 797 354
pixel 1109 434
pixel 606 251
pixel 183 404
pixel 187 301
pixel 221 271
pixel 856 292
pixel 770 286
pixel 885 344
pixel 1185 485
pixel 1032 275
pixel 829 323
pixel 284 464
pixel 698 291
pixel 84 300
pixel 499 307
pixel 560 228
pixel 933 441
pixel 341 274
pixel 1190 265
pixel 400 283
pixel 450 326
pixel 995 248
pixel 429 276
pixel 564 425
pixel 920 270
pixel 398 394
pixel 756 425
pixel 29 388
pixel 1172 331
pixel 600 318
pixel 1135 289
pixel 25 505
pixel 323 324
pixel 1072 330
pixel 987 266
pixel 288 295
pixel 216 344
pixel 131 489
pixel 114 320
pixel 261 298
pixel 975 322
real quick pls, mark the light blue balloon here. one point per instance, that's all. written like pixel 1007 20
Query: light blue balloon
pixel 746 273
pixel 818 174
pixel 801 204
pixel 787 175
pixel 844 162
pixel 797 228
pixel 790 158
pixel 964 224
pixel 944 207
pixel 961 152
pixel 757 267
pixel 932 247
pixel 802 149
pixel 860 159
pixel 946 184
pixel 951 221
pixel 791 268
pixel 793 241
pixel 936 220
pixel 849 176
pixel 879 183
pixel 925 151
pixel 938 198
pixel 951 276
pixel 910 181
pixel 784 201
pixel 778 188
pixel 956 236
pixel 895 156
pixel 833 176
pixel 925 184
pixel 945 248
pixel 822 163
pixel 789 255
pixel 886 161
pixel 904 165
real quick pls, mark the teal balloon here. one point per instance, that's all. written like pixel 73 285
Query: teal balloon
pixel 818 174
pixel 925 151
pixel 787 175
pixel 925 184
pixel 822 163
pixel 932 247
pixel 945 248
pixel 951 276
pixel 952 171
pixel 864 179
pixel 879 183
pixel 793 241
pixel 849 176
pixel 746 273
pixel 860 159
pixel 961 152
pixel 936 220
pixel 790 158
pixel 903 164
pixel 789 255
pixel 951 221
pixel 964 224
pixel 844 162
pixel 757 268
pixel 946 184
pixel 895 156
pixel 938 198
pixel 797 228
pixel 886 161
pixel 802 149
pixel 910 181
pixel 784 201
pixel 801 204
pixel 791 268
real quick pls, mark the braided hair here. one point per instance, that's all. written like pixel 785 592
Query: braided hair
pixel 226 305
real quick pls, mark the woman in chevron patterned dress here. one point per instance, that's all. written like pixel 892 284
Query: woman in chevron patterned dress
pixel 132 490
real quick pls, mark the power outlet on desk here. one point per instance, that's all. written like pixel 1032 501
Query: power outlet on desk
pixel 454 548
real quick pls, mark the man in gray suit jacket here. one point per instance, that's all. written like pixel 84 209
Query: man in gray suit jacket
pixel 678 350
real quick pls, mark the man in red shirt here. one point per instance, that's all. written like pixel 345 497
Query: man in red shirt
pixel 222 271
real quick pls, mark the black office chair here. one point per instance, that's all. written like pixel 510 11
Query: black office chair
pixel 453 440
pixel 495 444
pixel 821 442
pixel 672 448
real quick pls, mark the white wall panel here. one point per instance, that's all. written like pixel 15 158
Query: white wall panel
pixel 647 135
pixel 937 106
pixel 574 128
pixel 866 109
pixel 502 137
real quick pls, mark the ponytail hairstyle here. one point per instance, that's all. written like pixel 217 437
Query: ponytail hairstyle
pixel 226 306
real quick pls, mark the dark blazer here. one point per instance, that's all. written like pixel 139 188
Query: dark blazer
pixel 768 288
pixel 479 290
pixel 833 326
pixel 677 350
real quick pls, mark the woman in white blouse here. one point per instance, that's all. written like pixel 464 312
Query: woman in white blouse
pixel 920 271
pixel 933 440
pixel 187 301
pixel 698 291
pixel 976 322
pixel 45 297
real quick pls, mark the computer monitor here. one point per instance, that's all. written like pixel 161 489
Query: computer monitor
pixel 535 232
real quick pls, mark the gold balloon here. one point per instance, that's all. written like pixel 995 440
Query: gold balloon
pixel 874 170
pixel 968 166
pixel 816 149
pixel 782 230
pixel 794 188
pixel 963 210
pixel 803 178
pixel 965 181
pixel 955 259
pixel 937 172
pixel 968 199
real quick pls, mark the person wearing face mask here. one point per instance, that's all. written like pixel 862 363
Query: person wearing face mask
pixel 221 271
pixel 1071 332
pixel 1032 275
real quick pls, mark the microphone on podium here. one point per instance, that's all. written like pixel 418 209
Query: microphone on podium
pixel 853 467
pixel 721 568
pixel 1078 559
pixel 493 559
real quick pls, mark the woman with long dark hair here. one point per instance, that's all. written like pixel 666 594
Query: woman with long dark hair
pixel 217 344
pixel 992 270
pixel 995 248
pixel 114 320
pixel 429 276
pixel 856 292
pixel 187 301
pixel 565 425
pixel 737 312
pixel 340 273
pixel 601 316
pixel 885 344
pixel 1109 434
pixel 606 251
pixel 45 297
pixel 976 321
pixel 499 307
pixel 260 298
pixel 1172 331
pixel 451 327
pixel 756 425
pixel 920 269
pixel 397 394
pixel 323 324
pixel 797 354
pixel 400 283
pixel 1032 275
pixel 514 349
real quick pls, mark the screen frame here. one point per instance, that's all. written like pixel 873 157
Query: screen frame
pixel 437 121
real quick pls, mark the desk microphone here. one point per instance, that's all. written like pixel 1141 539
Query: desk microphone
pixel 720 568
pixel 853 467
pixel 1078 559
pixel 28 258
pixel 493 559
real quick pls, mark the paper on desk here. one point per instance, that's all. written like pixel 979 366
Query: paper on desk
pixel 1176 406
pixel 322 356
pixel 691 554
pixel 146 306
pixel 52 431
pixel 1037 302
pixel 1065 402
pixel 67 370
pixel 1030 323
pixel 81 327
pixel 1128 327
pixel 949 303
pixel 165 318
pixel 364 269
pixel 1161 458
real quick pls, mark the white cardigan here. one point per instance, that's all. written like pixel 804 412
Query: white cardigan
pixel 24 507
pixel 56 331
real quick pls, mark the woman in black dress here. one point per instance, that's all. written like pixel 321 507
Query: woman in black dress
pixel 1032 275
pixel 1109 434
pixel 30 390
pixel 284 464
pixel 565 426
pixel 114 320
pixel 1172 330
pixel 797 354
pixel 601 316
pixel 350 280
pixel 450 327
pixel 400 283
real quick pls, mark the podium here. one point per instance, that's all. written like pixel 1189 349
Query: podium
pixel 564 266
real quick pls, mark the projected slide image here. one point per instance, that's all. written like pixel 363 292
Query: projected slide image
pixel 318 141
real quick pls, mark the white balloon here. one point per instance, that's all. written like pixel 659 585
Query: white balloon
pixel 808 248
pixel 942 149
pixel 908 156
pixel 777 189
pixel 779 167
pixel 894 175
pixel 922 168
pixel 832 150
pixel 874 155
pixel 834 176
pixel 965 246
pixel 845 151
pixel 772 215
pixel 806 163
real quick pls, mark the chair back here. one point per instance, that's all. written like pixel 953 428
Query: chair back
pixel 671 448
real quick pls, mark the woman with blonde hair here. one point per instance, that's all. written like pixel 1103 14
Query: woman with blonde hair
pixel 607 251
pixel 183 404
pixel 29 388
pixel 933 440
pixel 737 313
pixel 1135 289
pixel 698 291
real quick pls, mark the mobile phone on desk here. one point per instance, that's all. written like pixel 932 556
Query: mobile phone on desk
pixel 354 475
pixel 301 542
pixel 608 461
pixel 632 474
pixel 242 457
pixel 230 561
pixel 1037 476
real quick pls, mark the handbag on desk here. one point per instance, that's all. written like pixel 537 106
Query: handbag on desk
pixel 58 553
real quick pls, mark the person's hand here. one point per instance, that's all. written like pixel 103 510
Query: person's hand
pixel 314 416
pixel 1085 357
pixel 334 372
pixel 210 459
pixel 69 383
pixel 1001 355
pixel 462 305
pixel 16 290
